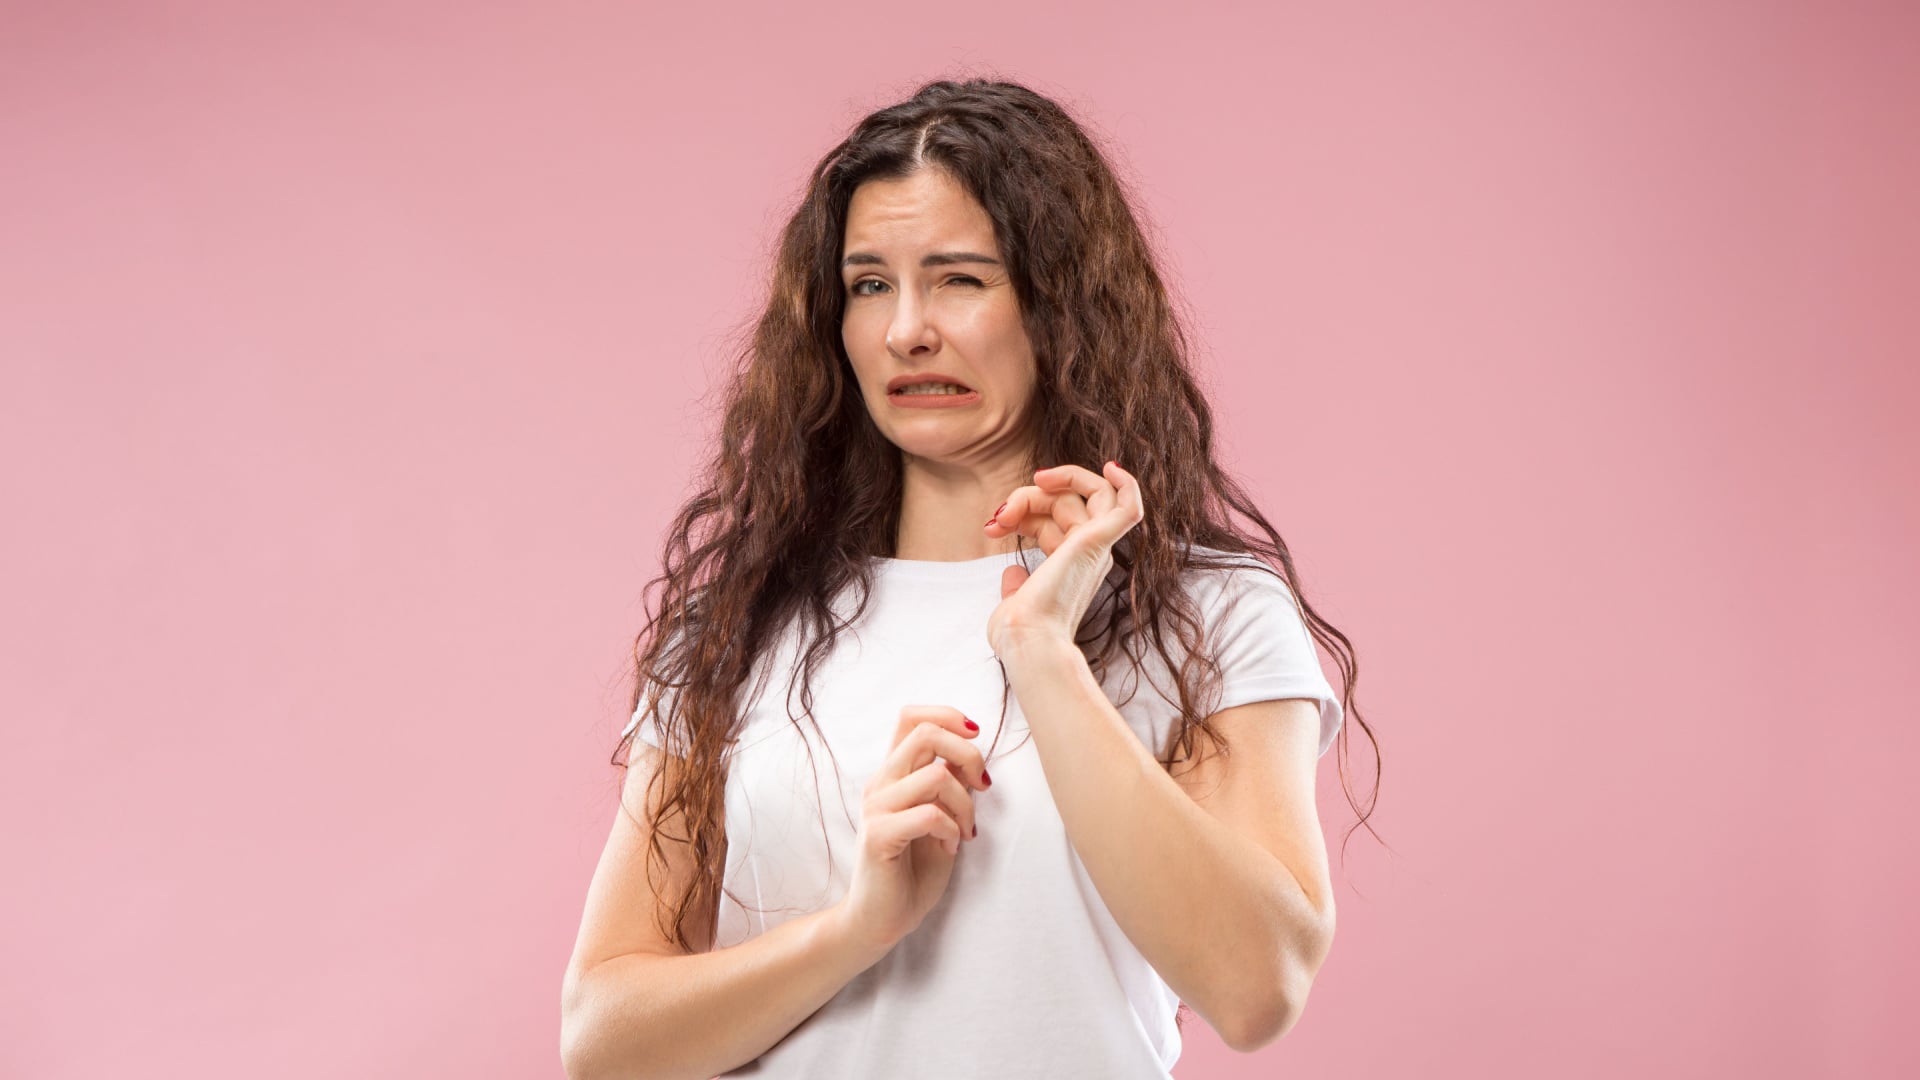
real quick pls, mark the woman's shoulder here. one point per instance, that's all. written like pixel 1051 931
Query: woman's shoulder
pixel 1213 570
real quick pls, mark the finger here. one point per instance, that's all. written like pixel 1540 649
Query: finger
pixel 927 732
pixel 1069 510
pixel 912 716
pixel 1126 488
pixel 928 743
pixel 931 783
pixel 889 834
pixel 1081 481
pixel 1040 524
pixel 1055 485
pixel 1114 489
pixel 1045 517
pixel 1050 535
pixel 1071 480
pixel 1023 503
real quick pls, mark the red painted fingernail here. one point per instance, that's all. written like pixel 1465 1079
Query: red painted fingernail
pixel 976 832
pixel 971 726
pixel 985 780
pixel 996 514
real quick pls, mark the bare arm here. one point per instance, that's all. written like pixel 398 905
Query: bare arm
pixel 692 1016
pixel 635 1003
pixel 1227 897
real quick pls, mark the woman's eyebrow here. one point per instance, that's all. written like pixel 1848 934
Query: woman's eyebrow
pixel 938 258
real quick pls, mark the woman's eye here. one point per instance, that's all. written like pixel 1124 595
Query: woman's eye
pixel 856 290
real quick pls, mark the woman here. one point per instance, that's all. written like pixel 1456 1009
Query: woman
pixel 965 323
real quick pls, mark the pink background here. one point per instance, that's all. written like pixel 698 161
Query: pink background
pixel 353 367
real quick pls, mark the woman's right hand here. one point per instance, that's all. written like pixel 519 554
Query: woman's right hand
pixel 916 813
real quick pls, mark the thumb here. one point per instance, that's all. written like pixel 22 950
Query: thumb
pixel 1011 579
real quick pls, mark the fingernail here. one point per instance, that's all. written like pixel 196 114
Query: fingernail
pixel 985 780
pixel 971 726
pixel 976 832
pixel 996 514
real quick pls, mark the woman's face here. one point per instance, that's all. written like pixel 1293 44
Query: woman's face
pixel 927 295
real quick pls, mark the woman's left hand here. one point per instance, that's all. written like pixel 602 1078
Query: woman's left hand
pixel 1076 515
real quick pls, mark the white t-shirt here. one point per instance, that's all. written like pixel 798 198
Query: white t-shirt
pixel 1019 970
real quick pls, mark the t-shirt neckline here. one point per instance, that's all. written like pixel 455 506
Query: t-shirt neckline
pixel 987 567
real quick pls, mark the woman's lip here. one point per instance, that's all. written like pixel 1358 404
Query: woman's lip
pixel 934 378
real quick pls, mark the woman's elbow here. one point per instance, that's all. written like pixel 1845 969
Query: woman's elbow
pixel 1274 1014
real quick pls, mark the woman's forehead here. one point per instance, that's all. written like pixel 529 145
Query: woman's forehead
pixel 925 210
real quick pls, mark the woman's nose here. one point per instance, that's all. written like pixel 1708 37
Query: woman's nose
pixel 911 329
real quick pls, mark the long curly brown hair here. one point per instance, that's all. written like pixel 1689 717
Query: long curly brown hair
pixel 802 489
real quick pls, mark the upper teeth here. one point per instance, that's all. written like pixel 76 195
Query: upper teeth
pixel 932 388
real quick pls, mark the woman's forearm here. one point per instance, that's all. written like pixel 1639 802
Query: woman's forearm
pixel 694 1016
pixel 1221 919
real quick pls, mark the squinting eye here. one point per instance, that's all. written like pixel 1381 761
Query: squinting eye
pixel 957 278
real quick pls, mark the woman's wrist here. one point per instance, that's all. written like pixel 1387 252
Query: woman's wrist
pixel 1036 649
pixel 844 934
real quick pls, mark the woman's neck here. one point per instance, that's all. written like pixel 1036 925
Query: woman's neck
pixel 944 508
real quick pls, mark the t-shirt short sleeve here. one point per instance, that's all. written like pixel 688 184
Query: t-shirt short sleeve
pixel 646 728
pixel 648 731
pixel 1262 643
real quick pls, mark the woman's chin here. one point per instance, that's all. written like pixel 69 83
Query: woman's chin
pixel 931 450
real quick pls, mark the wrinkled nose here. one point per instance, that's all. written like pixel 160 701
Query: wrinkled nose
pixel 911 332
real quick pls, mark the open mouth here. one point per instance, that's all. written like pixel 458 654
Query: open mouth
pixel 920 389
